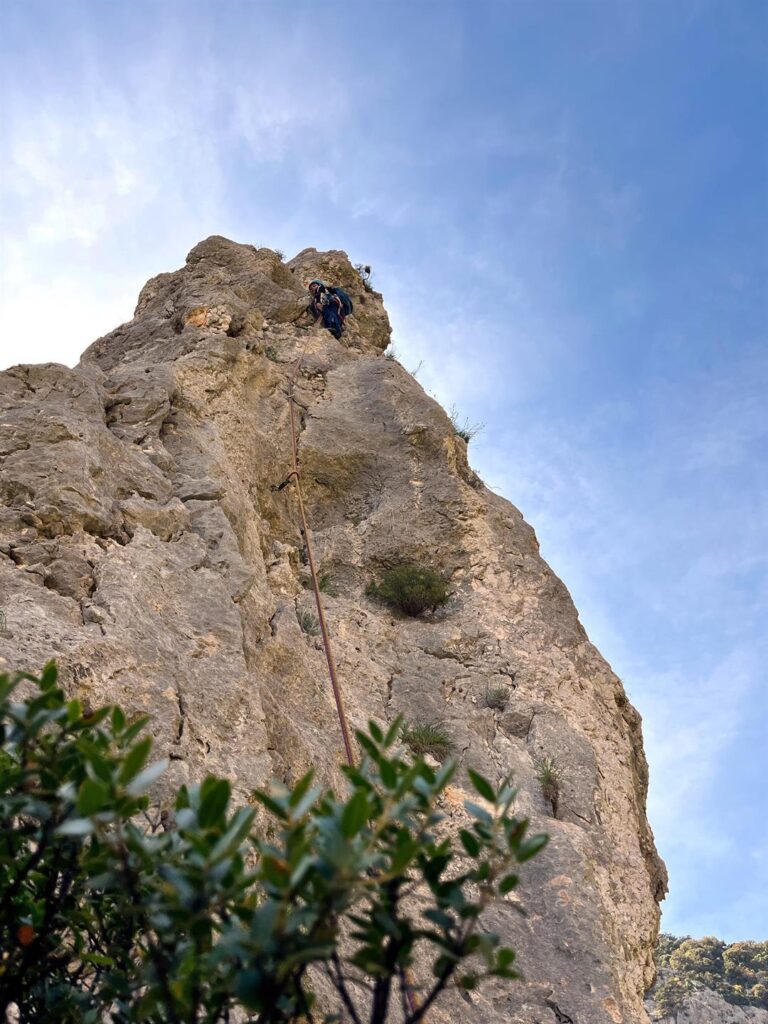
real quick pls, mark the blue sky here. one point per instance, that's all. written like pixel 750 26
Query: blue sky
pixel 564 203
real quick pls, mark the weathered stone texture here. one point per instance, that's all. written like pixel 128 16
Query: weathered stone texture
pixel 147 544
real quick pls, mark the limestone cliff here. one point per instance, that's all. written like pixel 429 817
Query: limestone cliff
pixel 147 544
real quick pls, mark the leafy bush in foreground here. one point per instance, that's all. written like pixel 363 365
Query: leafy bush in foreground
pixel 410 589
pixel 107 914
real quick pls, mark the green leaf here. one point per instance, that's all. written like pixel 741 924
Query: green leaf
pixel 91 797
pixel 508 883
pixel 392 732
pixel 388 773
pixel 144 779
pixel 470 842
pixel 215 795
pixel 355 814
pixel 531 847
pixel 375 731
pixel 478 812
pixel 238 829
pixel 98 958
pixel 440 918
pixel 445 773
pixel 505 956
pixel 99 768
pixel 482 785
pixel 134 729
pixel 271 804
pixel 49 676
pixel 301 787
pixel 249 989
pixel 307 800
pixel 135 759
pixel 75 827
pixel 118 719
pixel 368 745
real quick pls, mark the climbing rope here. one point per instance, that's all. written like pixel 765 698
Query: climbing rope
pixel 295 475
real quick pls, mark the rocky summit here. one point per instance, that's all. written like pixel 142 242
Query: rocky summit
pixel 150 542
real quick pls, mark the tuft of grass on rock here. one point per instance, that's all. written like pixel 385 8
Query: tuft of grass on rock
pixel 465 430
pixel 308 621
pixel 410 589
pixel 366 275
pixel 428 737
pixel 271 353
pixel 325 583
pixel 549 778
pixel 496 697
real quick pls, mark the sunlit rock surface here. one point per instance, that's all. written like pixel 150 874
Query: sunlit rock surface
pixel 147 544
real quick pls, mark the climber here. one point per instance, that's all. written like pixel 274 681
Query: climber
pixel 331 303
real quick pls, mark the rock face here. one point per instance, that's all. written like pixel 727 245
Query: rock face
pixel 146 543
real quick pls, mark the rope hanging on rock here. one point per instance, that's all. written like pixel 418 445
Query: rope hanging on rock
pixel 295 475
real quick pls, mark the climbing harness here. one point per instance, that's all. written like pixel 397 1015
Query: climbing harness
pixel 295 475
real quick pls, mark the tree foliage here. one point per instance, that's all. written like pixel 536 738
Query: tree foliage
pixel 411 589
pixel 110 914
pixel 738 972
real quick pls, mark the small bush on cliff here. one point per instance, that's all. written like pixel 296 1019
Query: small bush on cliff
pixel 108 915
pixel 549 778
pixel 466 430
pixel 496 697
pixel 325 583
pixel 428 738
pixel 308 622
pixel 410 589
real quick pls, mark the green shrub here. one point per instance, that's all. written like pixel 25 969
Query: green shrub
pixel 738 972
pixel 410 589
pixel 106 916
pixel 271 353
pixel 308 621
pixel 428 738
pixel 325 584
pixel 549 778
pixel 669 995
pixel 496 697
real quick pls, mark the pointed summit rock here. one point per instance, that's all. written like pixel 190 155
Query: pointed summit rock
pixel 149 540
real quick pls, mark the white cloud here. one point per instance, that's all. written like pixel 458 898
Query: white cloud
pixel 112 180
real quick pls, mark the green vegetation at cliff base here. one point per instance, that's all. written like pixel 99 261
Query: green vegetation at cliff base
pixel 738 972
